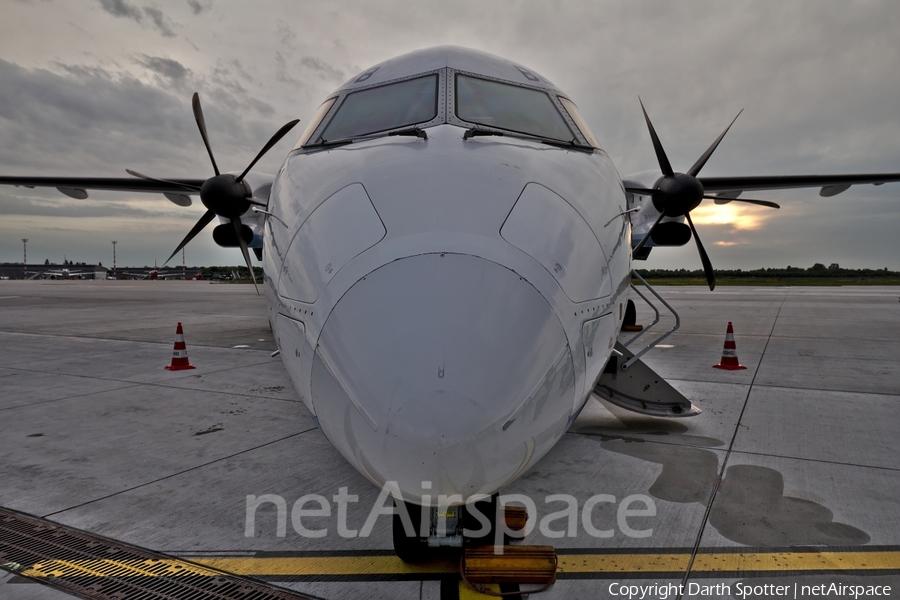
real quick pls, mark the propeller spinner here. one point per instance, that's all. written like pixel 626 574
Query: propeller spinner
pixel 224 195
pixel 677 194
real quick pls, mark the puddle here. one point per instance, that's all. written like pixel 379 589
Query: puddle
pixel 751 509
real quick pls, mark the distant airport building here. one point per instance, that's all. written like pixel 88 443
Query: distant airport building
pixel 10 271
pixel 49 271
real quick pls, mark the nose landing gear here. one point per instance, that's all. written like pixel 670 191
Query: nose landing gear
pixel 479 536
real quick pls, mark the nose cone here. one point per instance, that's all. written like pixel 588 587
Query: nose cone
pixel 443 368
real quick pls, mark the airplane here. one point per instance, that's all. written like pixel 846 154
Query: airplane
pixel 448 253
pixel 153 274
pixel 157 274
pixel 63 273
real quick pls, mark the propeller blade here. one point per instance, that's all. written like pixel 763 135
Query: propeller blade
pixel 647 237
pixel 702 160
pixel 704 258
pixel 661 157
pixel 203 222
pixel 274 140
pixel 201 123
pixel 236 221
pixel 148 178
pixel 748 200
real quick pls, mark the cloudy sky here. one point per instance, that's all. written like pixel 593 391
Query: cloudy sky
pixel 92 87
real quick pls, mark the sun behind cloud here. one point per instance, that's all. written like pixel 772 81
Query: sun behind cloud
pixel 740 217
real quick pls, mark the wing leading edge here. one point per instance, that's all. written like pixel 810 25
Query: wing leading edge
pixel 710 184
pixel 830 184
pixel 118 184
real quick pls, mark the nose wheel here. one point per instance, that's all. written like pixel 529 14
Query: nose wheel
pixel 470 534
pixel 409 546
pixel 426 533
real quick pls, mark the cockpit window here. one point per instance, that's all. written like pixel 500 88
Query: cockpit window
pixel 579 121
pixel 314 123
pixel 510 107
pixel 385 107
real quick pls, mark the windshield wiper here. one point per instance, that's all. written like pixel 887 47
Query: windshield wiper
pixel 570 144
pixel 329 143
pixel 475 132
pixel 409 131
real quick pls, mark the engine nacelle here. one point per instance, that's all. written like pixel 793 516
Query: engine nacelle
pixel 670 232
pixel 252 222
pixel 225 236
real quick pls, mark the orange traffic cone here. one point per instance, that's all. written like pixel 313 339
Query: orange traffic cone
pixel 729 353
pixel 180 360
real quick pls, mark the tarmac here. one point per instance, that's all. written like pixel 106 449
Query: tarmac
pixel 790 476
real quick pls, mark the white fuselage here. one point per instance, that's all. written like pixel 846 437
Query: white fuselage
pixel 444 306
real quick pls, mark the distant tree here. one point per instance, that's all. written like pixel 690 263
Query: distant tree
pixel 834 267
pixel 47 261
pixel 817 267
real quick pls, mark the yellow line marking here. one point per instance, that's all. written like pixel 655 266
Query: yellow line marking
pixel 327 565
pixel 622 563
pixel 573 564
pixel 798 561
pixel 729 562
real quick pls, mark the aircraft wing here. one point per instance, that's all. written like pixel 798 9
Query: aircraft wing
pixel 76 187
pixel 830 184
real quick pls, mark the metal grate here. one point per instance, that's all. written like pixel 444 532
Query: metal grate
pixel 98 568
